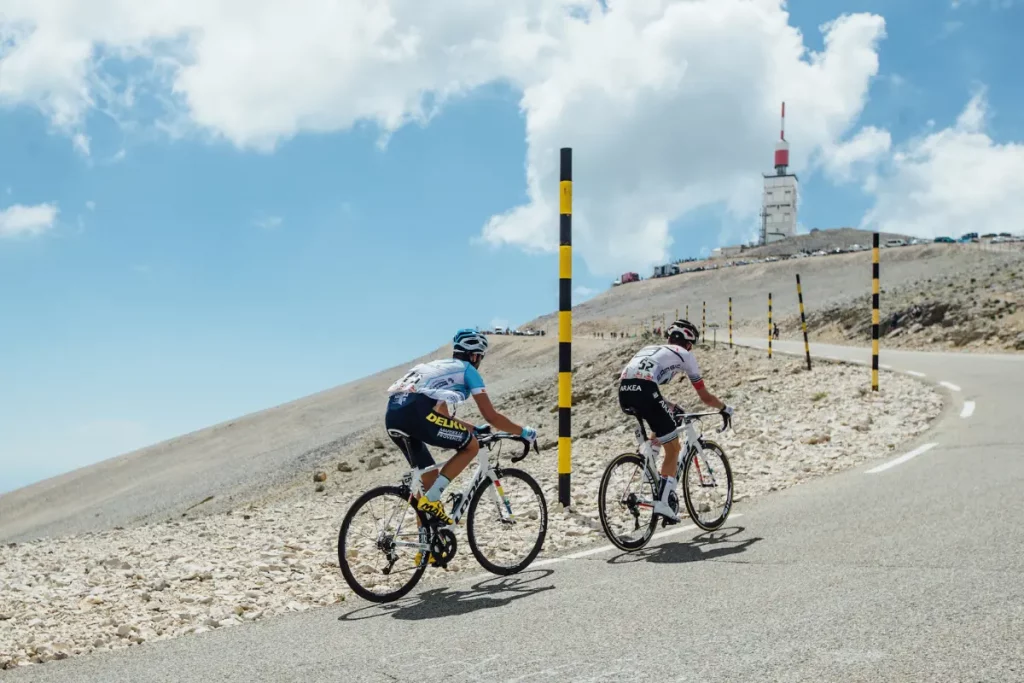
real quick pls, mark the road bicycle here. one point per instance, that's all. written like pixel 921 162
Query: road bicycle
pixel 369 559
pixel 622 507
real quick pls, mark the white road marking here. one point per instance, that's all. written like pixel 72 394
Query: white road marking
pixel 858 362
pixel 884 366
pixel 903 458
pixel 950 386
pixel 968 409
pixel 915 373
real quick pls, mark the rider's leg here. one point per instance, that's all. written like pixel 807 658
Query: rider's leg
pixel 451 469
pixel 671 461
pixel 454 467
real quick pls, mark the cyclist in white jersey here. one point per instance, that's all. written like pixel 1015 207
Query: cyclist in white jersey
pixel 422 404
pixel 640 396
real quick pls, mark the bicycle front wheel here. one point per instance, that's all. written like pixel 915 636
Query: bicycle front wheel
pixel 707 486
pixel 507 531
pixel 383 545
pixel 625 502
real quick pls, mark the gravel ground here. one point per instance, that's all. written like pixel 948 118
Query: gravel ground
pixel 122 587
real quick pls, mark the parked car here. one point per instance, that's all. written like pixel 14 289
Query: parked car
pixel 945 240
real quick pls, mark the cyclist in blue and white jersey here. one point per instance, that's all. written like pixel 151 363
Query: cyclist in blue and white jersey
pixel 422 404
pixel 639 395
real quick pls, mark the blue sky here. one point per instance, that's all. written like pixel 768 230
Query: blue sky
pixel 186 281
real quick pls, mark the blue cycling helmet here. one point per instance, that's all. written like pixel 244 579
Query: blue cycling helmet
pixel 469 340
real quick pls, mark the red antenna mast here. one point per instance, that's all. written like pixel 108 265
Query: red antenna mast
pixel 782 147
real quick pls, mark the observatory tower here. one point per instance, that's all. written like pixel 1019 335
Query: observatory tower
pixel 778 205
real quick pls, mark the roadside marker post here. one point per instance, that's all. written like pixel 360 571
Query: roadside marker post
pixel 565 327
pixel 803 321
pixel 769 324
pixel 730 322
pixel 703 321
pixel 875 317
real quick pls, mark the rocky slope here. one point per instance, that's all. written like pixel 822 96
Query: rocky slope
pixel 123 587
pixel 980 310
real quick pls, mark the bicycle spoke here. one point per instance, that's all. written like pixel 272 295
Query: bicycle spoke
pixel 501 542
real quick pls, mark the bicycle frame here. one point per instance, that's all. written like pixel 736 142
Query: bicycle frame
pixel 690 449
pixel 413 479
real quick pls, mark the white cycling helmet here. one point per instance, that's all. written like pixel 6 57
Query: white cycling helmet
pixel 468 340
pixel 684 330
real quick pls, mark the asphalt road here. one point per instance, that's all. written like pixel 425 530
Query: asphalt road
pixel 910 573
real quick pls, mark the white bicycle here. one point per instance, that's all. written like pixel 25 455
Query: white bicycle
pixel 384 559
pixel 631 480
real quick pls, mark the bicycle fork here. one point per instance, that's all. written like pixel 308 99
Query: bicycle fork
pixel 501 501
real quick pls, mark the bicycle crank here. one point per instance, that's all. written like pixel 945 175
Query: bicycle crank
pixel 443 547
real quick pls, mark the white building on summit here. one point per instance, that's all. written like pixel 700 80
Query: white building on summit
pixel 778 204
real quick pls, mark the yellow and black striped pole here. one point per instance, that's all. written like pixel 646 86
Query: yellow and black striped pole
pixel 565 327
pixel 803 320
pixel 874 312
pixel 687 311
pixel 730 322
pixel 703 320
pixel 677 316
pixel 769 324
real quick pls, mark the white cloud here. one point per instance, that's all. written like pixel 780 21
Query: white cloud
pixel 670 105
pixel 81 143
pixel 951 181
pixel 20 220
pixel 674 106
pixel 269 222
pixel 867 147
pixel 584 291
pixel 91 205
pixel 261 71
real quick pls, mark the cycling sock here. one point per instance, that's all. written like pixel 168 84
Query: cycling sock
pixel 434 494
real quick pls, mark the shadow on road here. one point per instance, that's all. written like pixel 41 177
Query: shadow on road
pixel 444 602
pixel 709 545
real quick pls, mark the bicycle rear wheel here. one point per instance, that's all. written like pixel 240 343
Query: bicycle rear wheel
pixel 511 527
pixel 707 486
pixel 625 502
pixel 383 557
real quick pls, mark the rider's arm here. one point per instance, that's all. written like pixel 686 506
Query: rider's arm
pixel 708 398
pixel 496 419
pixel 693 372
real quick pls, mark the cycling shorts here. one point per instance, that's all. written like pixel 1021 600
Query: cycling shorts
pixel 642 398
pixel 414 414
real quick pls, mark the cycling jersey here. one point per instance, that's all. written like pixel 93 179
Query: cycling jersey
pixel 659 363
pixel 449 379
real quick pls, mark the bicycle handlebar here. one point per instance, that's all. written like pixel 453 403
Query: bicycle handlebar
pixel 487 438
pixel 690 417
